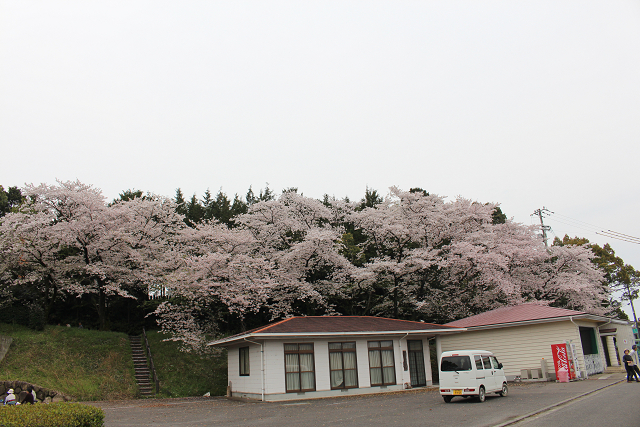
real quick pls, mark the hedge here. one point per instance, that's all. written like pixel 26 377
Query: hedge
pixel 60 414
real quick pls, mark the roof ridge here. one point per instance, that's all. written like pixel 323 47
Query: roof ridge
pixel 510 314
pixel 354 316
pixel 274 324
pixel 509 307
pixel 404 320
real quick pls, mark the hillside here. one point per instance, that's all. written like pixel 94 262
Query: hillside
pixel 95 365
pixel 187 374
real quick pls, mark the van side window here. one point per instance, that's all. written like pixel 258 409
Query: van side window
pixel 487 363
pixel 494 362
pixel 478 362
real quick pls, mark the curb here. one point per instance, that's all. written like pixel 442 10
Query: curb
pixel 555 405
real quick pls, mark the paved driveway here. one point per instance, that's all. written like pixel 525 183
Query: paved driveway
pixel 422 407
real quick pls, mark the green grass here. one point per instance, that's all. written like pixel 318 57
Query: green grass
pixel 94 365
pixel 87 365
pixel 186 374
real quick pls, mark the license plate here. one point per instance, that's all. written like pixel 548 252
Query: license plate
pixel 457 391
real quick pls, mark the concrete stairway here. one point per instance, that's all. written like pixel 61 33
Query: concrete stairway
pixel 614 369
pixel 140 365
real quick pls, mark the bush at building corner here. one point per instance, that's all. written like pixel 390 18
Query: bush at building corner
pixel 51 415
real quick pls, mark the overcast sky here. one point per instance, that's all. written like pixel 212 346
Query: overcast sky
pixel 525 103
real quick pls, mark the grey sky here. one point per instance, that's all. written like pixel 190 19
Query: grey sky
pixel 526 103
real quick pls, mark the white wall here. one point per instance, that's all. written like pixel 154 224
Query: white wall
pixel 624 338
pixel 520 347
pixel 251 382
pixel 274 374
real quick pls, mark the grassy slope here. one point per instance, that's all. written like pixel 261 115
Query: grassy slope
pixel 88 365
pixel 186 374
pixel 94 365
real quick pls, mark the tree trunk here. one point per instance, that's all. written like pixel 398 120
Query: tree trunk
pixel 49 300
pixel 395 298
pixel 102 308
pixel 635 318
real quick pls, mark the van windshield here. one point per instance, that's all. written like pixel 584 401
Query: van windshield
pixel 455 363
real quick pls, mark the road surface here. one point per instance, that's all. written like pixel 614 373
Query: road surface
pixel 419 407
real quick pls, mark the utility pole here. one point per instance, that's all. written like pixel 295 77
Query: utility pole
pixel 543 227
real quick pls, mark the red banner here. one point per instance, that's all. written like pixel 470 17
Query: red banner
pixel 561 362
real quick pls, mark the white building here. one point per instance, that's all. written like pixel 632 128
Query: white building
pixel 521 337
pixel 320 356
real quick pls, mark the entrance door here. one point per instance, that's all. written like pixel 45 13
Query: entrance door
pixel 606 350
pixel 416 364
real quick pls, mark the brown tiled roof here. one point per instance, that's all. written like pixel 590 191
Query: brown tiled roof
pixel 339 324
pixel 320 324
pixel 518 313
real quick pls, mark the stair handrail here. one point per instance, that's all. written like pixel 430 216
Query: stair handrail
pixel 153 368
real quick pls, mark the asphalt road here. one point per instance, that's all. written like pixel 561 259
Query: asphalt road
pixel 613 406
pixel 411 408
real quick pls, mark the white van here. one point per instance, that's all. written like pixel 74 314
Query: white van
pixel 471 373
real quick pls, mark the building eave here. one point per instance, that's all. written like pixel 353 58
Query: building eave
pixel 590 317
pixel 291 335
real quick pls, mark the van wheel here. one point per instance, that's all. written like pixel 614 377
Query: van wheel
pixel 504 391
pixel 481 394
pixel 447 399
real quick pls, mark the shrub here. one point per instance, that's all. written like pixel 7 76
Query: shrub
pixel 53 415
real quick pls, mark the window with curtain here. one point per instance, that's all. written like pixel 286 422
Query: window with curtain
pixel 342 365
pixel 299 367
pixel 381 363
pixel 244 361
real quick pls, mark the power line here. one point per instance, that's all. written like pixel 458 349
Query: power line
pixel 626 236
pixel 597 229
pixel 618 238
pixel 601 231
pixel 555 220
pixel 577 220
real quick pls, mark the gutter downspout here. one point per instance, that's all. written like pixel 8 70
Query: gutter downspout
pixel 261 362
pixel 571 318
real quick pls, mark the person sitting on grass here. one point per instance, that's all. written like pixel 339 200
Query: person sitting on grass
pixel 30 397
pixel 11 398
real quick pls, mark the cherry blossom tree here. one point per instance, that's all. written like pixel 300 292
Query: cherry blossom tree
pixel 420 257
pixel 412 255
pixel 219 272
pixel 302 237
pixel 30 259
pixel 447 260
pixel 281 258
pixel 67 239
